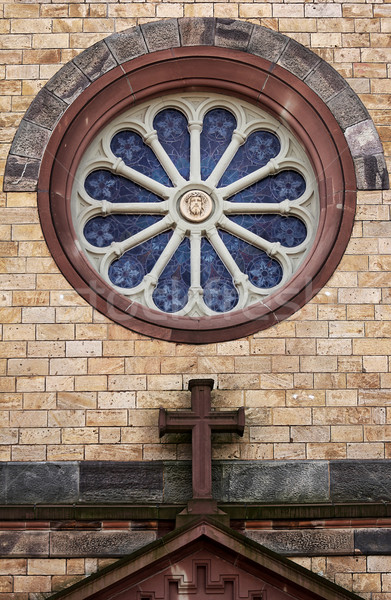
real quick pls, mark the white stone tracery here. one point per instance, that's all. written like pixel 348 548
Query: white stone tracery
pixel 195 106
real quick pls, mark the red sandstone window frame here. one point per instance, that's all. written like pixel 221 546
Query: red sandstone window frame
pixel 219 70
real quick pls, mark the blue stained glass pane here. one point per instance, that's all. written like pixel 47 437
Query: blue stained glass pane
pixel 216 135
pixel 171 293
pixel 289 231
pixel 220 293
pixel 287 185
pixel 259 192
pixel 129 146
pixel 103 185
pixel 262 271
pixel 256 152
pixel 102 231
pixel 171 127
pixel 129 270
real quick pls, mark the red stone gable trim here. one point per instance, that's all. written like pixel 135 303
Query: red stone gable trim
pixel 203 537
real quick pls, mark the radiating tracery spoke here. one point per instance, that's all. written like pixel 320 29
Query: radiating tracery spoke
pixel 171 293
pixel 217 278
pixel 104 185
pixel 198 210
pixel 262 270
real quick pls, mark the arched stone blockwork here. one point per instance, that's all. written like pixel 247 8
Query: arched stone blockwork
pixel 31 139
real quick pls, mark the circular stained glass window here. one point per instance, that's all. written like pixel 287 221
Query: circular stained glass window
pixel 195 205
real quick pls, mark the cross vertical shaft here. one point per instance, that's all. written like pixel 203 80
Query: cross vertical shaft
pixel 201 421
pixel 201 442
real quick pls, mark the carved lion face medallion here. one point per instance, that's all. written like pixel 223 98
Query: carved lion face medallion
pixel 196 205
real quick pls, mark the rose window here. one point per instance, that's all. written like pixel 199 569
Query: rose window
pixel 195 204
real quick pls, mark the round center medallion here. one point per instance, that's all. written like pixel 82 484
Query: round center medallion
pixel 196 205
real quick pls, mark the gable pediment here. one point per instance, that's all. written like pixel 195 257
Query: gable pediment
pixel 205 561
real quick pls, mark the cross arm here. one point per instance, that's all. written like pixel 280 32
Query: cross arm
pixel 201 421
pixel 228 421
pixel 224 422
pixel 175 422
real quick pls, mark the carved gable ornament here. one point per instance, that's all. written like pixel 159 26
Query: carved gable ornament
pixel 204 561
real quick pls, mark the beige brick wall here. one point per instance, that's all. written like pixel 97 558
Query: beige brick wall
pixel 29 578
pixel 19 576
pixel 76 386
pixel 366 576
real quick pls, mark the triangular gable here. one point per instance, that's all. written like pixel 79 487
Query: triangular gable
pixel 204 561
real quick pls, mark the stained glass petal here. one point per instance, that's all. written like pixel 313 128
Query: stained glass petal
pixel 216 135
pixel 220 294
pixel 173 134
pixel 130 146
pixel 287 185
pixel 103 185
pixel 289 231
pixel 262 270
pixel 255 153
pixel 129 270
pixel 171 293
pixel 102 231
pixel 126 272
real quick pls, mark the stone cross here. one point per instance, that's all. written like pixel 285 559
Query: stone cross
pixel 201 421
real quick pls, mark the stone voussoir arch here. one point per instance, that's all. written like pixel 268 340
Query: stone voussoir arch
pixel 31 139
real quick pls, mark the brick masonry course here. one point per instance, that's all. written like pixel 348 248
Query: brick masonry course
pixel 346 387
